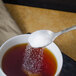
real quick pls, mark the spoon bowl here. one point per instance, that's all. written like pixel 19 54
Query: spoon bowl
pixel 41 38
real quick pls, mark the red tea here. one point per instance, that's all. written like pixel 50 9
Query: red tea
pixel 13 60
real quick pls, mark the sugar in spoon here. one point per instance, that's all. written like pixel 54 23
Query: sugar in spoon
pixel 43 38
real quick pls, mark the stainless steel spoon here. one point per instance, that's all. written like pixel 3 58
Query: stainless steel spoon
pixel 43 38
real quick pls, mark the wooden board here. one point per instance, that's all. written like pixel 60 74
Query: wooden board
pixel 31 19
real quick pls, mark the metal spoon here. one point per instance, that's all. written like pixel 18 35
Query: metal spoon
pixel 43 38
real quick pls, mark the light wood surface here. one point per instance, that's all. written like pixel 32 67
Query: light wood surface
pixel 31 19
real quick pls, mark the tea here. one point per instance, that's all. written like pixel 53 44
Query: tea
pixel 43 65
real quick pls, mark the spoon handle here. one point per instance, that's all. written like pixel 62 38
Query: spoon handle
pixel 66 30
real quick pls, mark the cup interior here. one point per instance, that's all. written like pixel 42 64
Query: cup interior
pixel 24 39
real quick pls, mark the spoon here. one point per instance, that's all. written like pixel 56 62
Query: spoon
pixel 43 38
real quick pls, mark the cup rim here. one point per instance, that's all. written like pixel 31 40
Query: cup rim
pixel 57 73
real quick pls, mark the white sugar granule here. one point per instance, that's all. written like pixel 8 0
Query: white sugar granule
pixel 32 59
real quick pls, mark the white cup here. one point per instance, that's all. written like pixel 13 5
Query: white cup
pixel 24 39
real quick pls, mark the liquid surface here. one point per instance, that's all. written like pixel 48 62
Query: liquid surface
pixel 18 60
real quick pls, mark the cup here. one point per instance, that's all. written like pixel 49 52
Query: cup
pixel 24 39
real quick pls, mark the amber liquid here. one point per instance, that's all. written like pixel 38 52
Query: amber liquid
pixel 13 59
